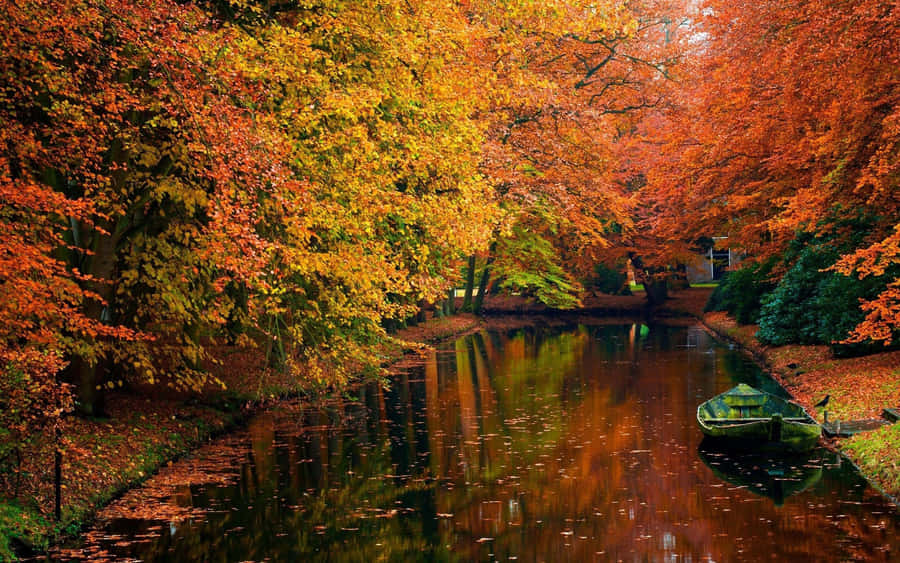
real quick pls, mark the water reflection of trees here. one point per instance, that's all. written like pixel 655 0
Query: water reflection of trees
pixel 543 444
pixel 595 455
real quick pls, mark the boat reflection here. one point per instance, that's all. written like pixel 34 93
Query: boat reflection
pixel 772 475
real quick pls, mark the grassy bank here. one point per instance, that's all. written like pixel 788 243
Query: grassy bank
pixel 146 429
pixel 859 388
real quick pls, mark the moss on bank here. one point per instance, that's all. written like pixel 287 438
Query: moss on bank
pixel 877 454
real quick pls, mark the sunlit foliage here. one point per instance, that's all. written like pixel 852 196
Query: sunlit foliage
pixel 291 177
pixel 783 120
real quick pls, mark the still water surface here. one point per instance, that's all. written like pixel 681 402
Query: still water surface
pixel 574 443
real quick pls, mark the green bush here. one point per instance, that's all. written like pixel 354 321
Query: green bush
pixel 612 281
pixel 837 304
pixel 812 305
pixel 787 315
pixel 740 292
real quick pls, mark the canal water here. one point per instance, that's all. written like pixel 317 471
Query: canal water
pixel 554 443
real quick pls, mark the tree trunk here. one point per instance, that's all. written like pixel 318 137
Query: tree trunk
pixel 422 316
pixel 451 297
pixel 470 284
pixel 482 287
pixel 89 396
pixel 86 372
pixel 655 287
pixel 57 476
pixel 657 291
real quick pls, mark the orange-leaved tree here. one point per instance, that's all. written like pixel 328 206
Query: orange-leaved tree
pixel 562 80
pixel 148 171
pixel 778 127
pixel 299 174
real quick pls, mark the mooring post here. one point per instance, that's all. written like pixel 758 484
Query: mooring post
pixel 57 478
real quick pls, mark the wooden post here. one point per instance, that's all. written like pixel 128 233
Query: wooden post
pixel 57 477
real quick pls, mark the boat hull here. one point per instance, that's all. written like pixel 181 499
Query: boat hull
pixel 750 418
pixel 797 437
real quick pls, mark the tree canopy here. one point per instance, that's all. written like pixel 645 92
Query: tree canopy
pixel 295 176
pixel 782 120
pixel 289 176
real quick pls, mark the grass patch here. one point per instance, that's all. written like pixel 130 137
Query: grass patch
pixel 21 526
pixel 876 453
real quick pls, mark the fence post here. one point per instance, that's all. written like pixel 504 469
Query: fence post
pixel 57 477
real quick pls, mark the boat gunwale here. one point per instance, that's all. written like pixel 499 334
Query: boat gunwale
pixel 739 424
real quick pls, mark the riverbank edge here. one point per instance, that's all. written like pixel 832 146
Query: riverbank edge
pixel 26 532
pixel 725 328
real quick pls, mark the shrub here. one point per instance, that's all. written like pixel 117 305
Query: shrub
pixel 787 315
pixel 740 292
pixel 612 281
pixel 813 305
pixel 838 312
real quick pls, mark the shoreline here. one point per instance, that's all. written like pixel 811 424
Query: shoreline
pixel 150 434
pixel 808 373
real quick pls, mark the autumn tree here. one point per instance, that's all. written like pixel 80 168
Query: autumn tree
pixel 387 151
pixel 565 79
pixel 295 175
pixel 784 121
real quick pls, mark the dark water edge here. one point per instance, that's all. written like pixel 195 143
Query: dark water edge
pixel 536 444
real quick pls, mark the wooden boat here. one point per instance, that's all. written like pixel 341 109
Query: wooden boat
pixel 751 418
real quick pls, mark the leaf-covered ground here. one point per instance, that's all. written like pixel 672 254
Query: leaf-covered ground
pixel 100 458
pixel 860 388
